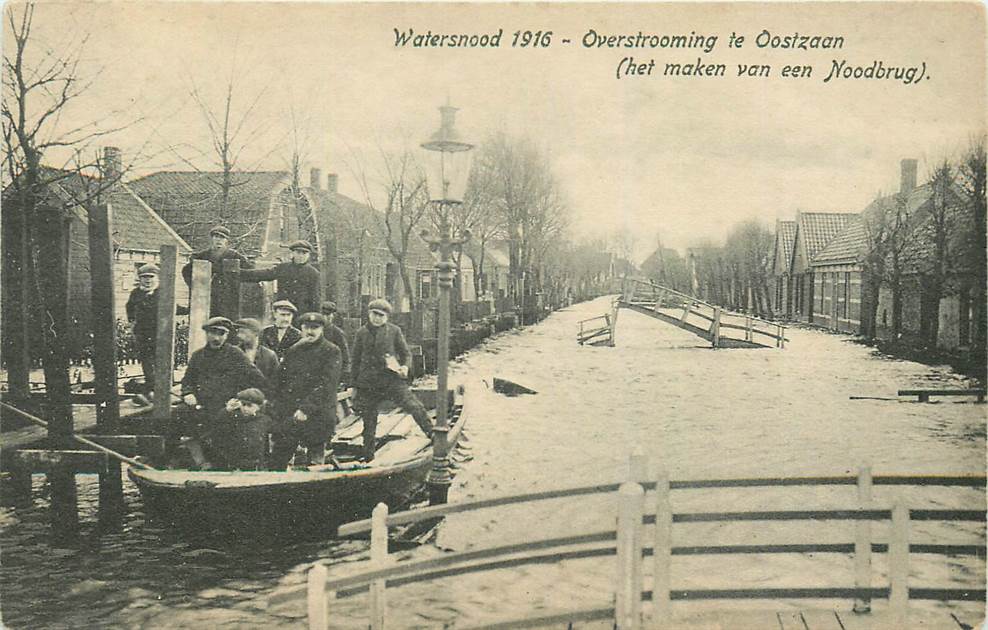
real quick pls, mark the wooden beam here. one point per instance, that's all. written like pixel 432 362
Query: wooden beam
pixel 104 321
pixel 164 353
pixel 202 279
pixel 627 610
pixel 152 446
pixel 862 541
pixel 15 300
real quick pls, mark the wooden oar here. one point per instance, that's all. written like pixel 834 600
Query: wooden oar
pixel 99 447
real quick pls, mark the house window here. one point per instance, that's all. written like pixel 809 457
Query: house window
pixel 847 291
pixel 425 285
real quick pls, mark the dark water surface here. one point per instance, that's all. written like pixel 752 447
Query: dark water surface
pixel 696 412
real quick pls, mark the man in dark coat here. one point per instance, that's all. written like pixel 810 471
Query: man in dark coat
pixel 263 358
pixel 298 281
pixel 281 335
pixel 224 292
pixel 142 313
pixel 305 395
pixel 336 336
pixel 379 366
pixel 216 372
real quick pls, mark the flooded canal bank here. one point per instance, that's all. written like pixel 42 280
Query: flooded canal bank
pixel 696 412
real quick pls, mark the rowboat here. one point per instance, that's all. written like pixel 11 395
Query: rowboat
pixel 318 496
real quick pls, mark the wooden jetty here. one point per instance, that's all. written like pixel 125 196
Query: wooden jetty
pixel 643 544
pixel 924 395
pixel 721 327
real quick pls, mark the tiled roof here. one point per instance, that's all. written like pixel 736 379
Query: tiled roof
pixel 191 203
pixel 816 229
pixel 135 225
pixel 787 235
pixel 846 247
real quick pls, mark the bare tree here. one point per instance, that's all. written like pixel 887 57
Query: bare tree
pixel 971 180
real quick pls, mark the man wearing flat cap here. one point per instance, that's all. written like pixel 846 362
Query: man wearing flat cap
pixel 142 315
pixel 379 368
pixel 337 337
pixel 281 335
pixel 216 372
pixel 298 281
pixel 305 395
pixel 224 291
pixel 263 358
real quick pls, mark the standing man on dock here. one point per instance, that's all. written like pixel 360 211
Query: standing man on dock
pixel 281 335
pixel 305 395
pixel 379 367
pixel 224 291
pixel 298 281
pixel 142 314
pixel 336 336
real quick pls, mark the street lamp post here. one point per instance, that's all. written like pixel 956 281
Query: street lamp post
pixel 447 169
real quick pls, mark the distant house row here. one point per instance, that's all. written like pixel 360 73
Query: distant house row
pixel 819 273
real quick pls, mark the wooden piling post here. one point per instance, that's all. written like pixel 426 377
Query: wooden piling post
pixel 17 487
pixel 379 558
pixel 749 328
pixel 662 552
pixel 164 349
pixel 64 501
pixel 899 561
pixel 318 603
pixel 628 598
pixel 199 294
pixel 715 327
pixel 862 542
pixel 782 336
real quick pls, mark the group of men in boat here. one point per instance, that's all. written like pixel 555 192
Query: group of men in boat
pixel 251 386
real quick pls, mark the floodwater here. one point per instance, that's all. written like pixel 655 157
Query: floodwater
pixel 695 412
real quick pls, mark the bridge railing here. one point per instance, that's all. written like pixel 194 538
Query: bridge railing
pixel 718 319
pixel 628 542
pixel 600 328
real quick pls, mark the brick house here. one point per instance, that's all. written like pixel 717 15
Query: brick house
pixel 837 276
pixel 785 236
pixel 813 231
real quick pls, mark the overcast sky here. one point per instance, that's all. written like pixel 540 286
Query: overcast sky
pixel 682 157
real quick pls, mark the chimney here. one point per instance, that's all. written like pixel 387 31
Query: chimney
pixel 111 163
pixel 315 177
pixel 331 182
pixel 908 179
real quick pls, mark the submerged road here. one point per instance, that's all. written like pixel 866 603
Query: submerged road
pixel 696 412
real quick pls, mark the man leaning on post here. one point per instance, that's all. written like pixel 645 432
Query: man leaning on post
pixel 224 292
pixel 298 281
pixel 379 365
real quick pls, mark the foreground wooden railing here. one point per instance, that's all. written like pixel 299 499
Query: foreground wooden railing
pixel 627 543
pixel 719 318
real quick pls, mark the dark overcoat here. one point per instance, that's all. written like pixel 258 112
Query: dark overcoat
pixel 299 284
pixel 269 338
pixel 142 310
pixel 372 343
pixel 308 381
pixel 215 375
pixel 225 290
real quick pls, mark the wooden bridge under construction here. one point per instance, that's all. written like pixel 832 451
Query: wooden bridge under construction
pixel 721 327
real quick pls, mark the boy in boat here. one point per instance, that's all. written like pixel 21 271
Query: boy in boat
pixel 238 440
pixel 281 335
pixel 379 365
pixel 306 395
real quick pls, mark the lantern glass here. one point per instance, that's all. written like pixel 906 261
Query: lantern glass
pixel 447 160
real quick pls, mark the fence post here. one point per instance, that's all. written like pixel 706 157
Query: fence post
pixel 862 542
pixel 715 327
pixel 661 551
pixel 687 305
pixel 317 601
pixel 379 557
pixel 164 349
pixel 748 326
pixel 899 561
pixel 638 466
pixel 782 336
pixel 199 295
pixel 627 609
pixel 659 299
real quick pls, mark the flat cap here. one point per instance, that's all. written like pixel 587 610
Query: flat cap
pixel 251 395
pixel 312 319
pixel 219 229
pixel 218 322
pixel 149 269
pixel 300 245
pixel 380 304
pixel 327 307
pixel 249 323
pixel 284 305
